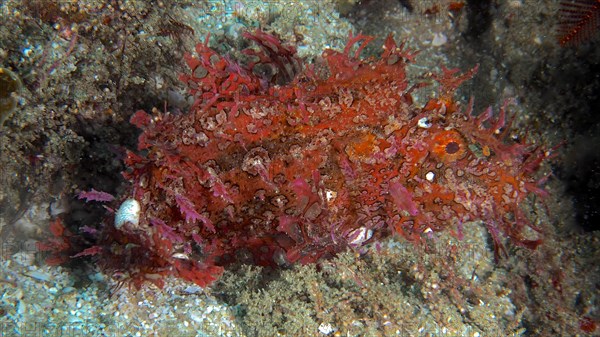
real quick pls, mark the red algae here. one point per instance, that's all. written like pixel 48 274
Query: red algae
pixel 279 162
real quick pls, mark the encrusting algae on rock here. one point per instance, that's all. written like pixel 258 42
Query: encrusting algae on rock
pixel 279 162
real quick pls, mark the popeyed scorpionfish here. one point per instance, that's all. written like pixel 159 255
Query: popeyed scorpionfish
pixel 280 162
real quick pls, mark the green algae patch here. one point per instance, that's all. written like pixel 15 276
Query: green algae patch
pixel 10 87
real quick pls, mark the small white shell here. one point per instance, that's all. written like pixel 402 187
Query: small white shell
pixel 438 39
pixel 358 236
pixel 326 328
pixel 129 211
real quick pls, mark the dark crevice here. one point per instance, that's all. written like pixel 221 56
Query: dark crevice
pixel 479 15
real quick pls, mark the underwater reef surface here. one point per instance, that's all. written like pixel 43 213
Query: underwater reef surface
pixel 277 189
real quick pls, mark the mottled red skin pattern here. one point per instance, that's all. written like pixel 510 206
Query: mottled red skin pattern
pixel 279 163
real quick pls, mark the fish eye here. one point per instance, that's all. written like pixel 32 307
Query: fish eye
pixel 452 147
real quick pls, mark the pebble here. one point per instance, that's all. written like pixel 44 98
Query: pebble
pixel 439 39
